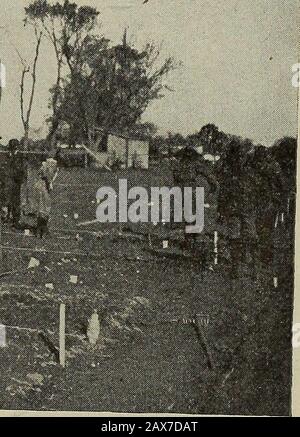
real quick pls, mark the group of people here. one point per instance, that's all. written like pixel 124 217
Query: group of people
pixel 250 193
pixel 25 190
pixel 248 188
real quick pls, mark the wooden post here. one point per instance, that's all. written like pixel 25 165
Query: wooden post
pixel 276 221
pixel 2 335
pixel 62 335
pixel 216 248
pixel 149 240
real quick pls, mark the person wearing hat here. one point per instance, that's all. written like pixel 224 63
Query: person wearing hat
pixel 36 211
pixel 44 186
pixel 16 176
pixel 192 171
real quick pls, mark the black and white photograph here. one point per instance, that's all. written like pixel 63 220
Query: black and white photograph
pixel 148 163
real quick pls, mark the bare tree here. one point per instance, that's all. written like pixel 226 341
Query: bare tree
pixel 66 25
pixel 26 114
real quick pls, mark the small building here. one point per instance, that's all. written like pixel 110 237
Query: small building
pixel 126 151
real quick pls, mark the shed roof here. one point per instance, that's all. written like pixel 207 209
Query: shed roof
pixel 121 135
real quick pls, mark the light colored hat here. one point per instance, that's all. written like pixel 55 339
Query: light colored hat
pixel 49 169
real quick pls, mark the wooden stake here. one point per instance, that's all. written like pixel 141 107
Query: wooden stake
pixel 2 335
pixel 276 220
pixel 62 335
pixel 149 240
pixel 216 247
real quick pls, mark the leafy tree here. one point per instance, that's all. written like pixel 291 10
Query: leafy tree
pixel 107 87
pixel 210 138
pixel 174 141
pixel 142 131
pixel 157 145
pixel 285 152
pixel 66 25
pixel 112 87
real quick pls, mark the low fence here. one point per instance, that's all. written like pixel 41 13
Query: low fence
pixel 64 157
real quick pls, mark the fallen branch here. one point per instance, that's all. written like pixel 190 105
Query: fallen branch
pixel 204 341
pixel 227 376
pixel 90 222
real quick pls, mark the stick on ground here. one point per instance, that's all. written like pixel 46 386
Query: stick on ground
pixel 204 341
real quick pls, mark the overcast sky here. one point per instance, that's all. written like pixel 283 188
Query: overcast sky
pixel 237 57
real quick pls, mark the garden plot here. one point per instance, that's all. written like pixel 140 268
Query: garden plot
pixel 148 345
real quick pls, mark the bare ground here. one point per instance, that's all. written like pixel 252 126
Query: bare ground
pixel 148 359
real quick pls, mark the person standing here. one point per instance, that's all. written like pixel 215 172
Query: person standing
pixel 192 172
pixel 43 188
pixel 232 219
pixel 36 210
pixel 16 176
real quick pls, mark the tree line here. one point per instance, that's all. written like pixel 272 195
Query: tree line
pixel 99 85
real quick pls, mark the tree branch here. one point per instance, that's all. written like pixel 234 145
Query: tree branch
pixel 22 86
pixel 37 51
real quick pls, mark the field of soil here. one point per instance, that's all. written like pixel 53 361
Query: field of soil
pixel 150 357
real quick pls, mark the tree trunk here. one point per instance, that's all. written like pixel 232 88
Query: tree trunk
pixel 26 138
pixel 52 137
